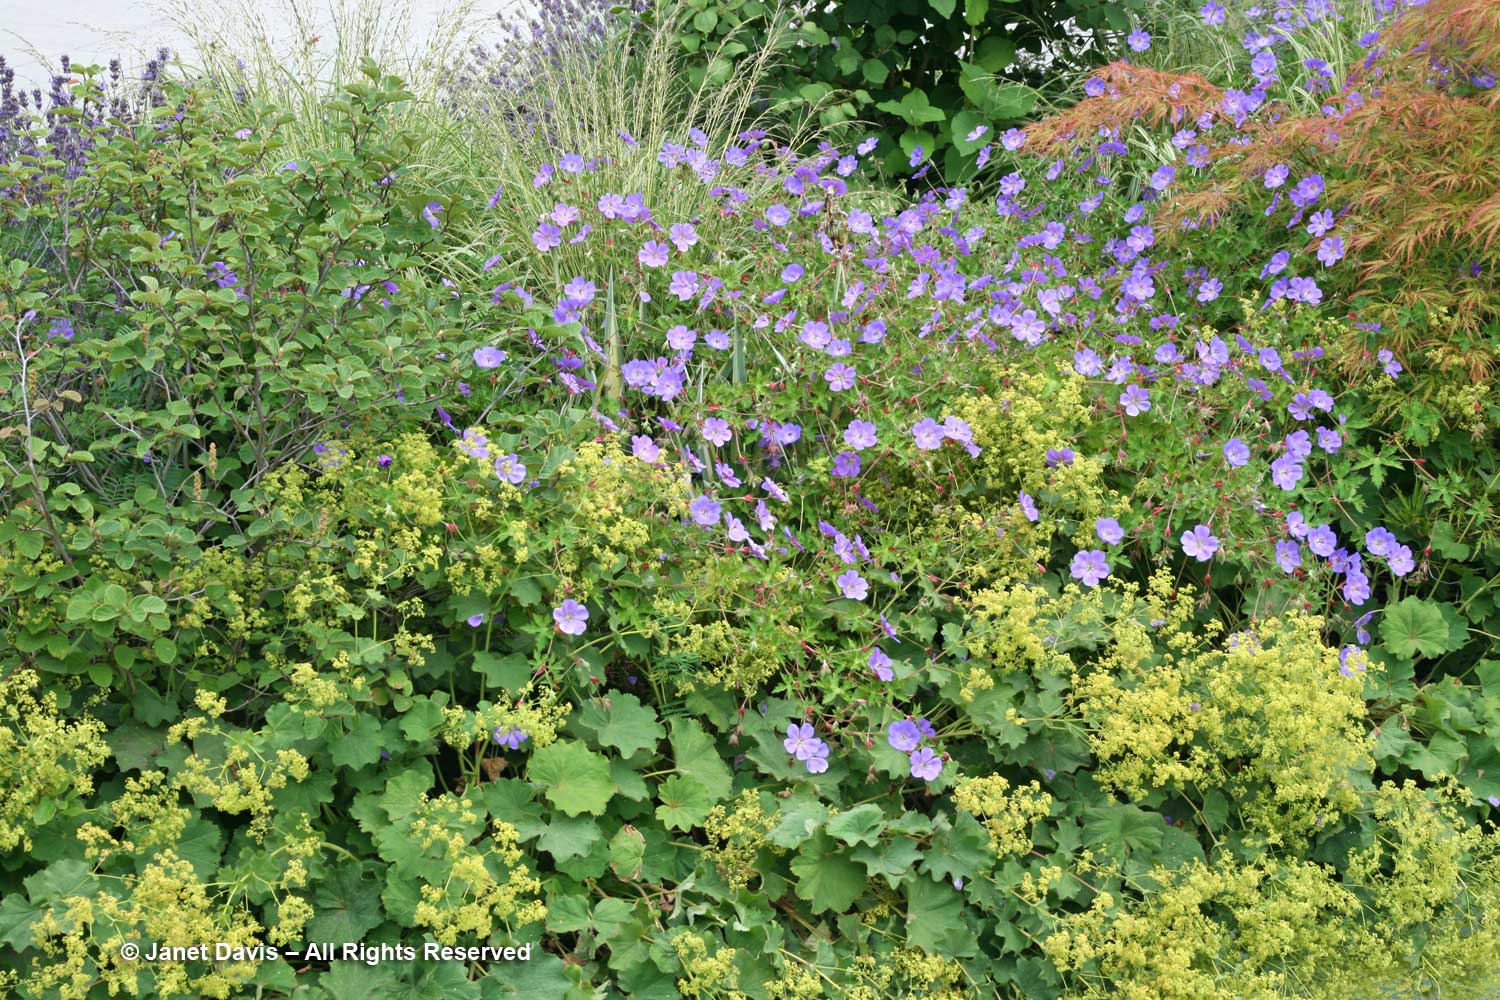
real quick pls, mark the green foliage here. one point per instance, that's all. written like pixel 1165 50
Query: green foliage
pixel 307 674
pixel 926 75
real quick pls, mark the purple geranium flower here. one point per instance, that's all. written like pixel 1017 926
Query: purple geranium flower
pixel 1236 452
pixel 925 764
pixel 852 585
pixel 653 253
pixel 1379 542
pixel 512 737
pixel 571 617
pixel 1400 560
pixel 928 434
pixel 1089 567
pixel 840 377
pixel 510 469
pixel 705 511
pixel 1136 400
pixel 1322 540
pixel 1286 473
pixel 716 431
pixel 860 434
pixel 488 357
pixel 645 449
pixel 683 236
pixel 1028 507
pixel 800 740
pixel 904 735
pixel 1200 543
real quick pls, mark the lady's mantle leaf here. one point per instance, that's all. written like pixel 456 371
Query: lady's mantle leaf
pixel 572 777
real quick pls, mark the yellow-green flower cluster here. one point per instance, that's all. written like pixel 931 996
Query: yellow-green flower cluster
pixel 166 904
pixel 480 884
pixel 1008 814
pixel 1270 719
pixel 1229 929
pixel 736 836
pixel 708 976
pixel 45 759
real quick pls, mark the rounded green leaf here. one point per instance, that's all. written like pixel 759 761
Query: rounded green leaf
pixel 572 777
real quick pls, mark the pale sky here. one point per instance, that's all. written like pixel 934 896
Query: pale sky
pixel 96 30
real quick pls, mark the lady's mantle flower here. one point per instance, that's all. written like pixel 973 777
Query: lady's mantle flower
pixel 571 617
